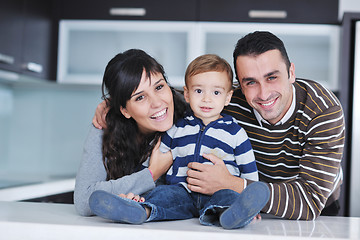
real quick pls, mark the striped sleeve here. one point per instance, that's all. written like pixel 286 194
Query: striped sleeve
pixel 244 157
pixel 318 175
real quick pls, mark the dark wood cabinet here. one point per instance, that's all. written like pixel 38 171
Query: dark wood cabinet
pixel 185 10
pixel 281 11
pixel 26 37
pixel 39 39
pixel 11 28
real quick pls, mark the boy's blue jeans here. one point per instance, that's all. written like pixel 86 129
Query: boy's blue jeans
pixel 171 202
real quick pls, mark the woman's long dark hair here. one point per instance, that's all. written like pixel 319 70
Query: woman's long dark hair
pixel 124 147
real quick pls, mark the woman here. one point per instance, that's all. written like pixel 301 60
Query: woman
pixel 141 106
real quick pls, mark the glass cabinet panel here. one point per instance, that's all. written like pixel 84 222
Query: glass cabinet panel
pixel 314 49
pixel 87 46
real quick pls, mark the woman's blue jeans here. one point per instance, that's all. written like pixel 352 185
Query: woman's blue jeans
pixel 174 202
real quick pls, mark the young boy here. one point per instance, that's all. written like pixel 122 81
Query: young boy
pixel 205 130
pixel 208 88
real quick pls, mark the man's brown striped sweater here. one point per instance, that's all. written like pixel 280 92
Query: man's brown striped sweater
pixel 300 159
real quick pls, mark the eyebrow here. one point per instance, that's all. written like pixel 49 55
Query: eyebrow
pixel 199 85
pixel 138 93
pixel 271 73
pixel 248 79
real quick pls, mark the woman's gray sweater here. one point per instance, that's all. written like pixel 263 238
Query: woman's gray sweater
pixel 91 176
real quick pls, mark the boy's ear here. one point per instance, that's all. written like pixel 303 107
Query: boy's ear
pixel 228 97
pixel 186 94
pixel 125 112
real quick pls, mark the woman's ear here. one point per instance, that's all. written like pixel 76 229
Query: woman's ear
pixel 125 112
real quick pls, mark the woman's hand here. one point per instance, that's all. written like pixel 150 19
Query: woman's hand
pixel 100 114
pixel 132 196
pixel 159 162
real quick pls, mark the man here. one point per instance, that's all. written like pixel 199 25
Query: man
pixel 296 128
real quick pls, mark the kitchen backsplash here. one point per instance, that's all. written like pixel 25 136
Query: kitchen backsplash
pixel 43 127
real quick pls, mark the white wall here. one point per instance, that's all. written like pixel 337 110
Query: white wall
pixel 348 6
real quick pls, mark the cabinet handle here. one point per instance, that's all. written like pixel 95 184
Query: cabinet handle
pixel 127 11
pixel 267 14
pixel 7 59
pixel 33 67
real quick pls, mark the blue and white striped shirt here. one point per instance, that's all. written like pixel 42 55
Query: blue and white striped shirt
pixel 189 139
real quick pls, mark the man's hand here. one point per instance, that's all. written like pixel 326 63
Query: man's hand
pixel 100 114
pixel 208 179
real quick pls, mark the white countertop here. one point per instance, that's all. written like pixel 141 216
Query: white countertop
pixel 37 190
pixel 25 220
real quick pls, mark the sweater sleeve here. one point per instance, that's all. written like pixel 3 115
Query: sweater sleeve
pixel 319 175
pixel 91 176
pixel 244 156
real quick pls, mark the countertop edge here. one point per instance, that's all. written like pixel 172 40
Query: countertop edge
pixel 37 190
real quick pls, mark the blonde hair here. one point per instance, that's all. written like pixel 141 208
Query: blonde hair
pixel 208 63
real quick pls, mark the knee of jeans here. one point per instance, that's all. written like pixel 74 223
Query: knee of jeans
pixel 167 193
pixel 226 192
pixel 224 197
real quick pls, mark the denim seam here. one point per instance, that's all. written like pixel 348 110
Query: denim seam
pixel 210 208
pixel 153 211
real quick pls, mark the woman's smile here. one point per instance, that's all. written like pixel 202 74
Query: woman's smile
pixel 159 116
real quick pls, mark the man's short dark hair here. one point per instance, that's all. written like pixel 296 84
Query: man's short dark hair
pixel 259 42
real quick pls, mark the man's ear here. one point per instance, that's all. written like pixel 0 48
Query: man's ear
pixel 292 76
pixel 228 97
pixel 125 112
pixel 186 94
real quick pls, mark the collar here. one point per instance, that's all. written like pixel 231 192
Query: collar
pixel 286 117
pixel 193 120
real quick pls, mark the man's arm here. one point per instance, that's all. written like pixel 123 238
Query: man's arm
pixel 319 174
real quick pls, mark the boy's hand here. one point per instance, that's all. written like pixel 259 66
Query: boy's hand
pixel 100 115
pixel 208 179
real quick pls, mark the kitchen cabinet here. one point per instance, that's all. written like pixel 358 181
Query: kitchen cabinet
pixel 39 43
pixel 281 11
pixel 185 10
pixel 11 27
pixel 85 46
pixel 313 48
pixel 26 37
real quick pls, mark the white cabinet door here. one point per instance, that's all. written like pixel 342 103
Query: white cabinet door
pixel 85 47
pixel 314 49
